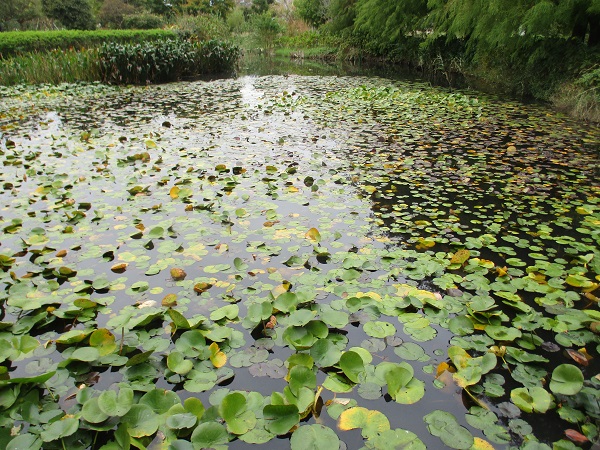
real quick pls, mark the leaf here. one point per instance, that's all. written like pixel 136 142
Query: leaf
pixel 379 329
pixel 532 399
pixel 233 409
pixel 371 422
pixel 313 235
pixel 566 379
pixel 118 404
pixel 217 357
pixel 576 436
pixel 178 274
pixel 141 421
pixel 460 256
pixel 445 426
pixel 314 437
pixel 279 419
pixel 60 429
pixel 119 268
pixel 209 435
pixel 177 363
pixel 352 365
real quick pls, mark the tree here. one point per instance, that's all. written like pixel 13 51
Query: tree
pixel 72 14
pixel 341 15
pixel 313 12
pixel 19 11
pixel 112 12
pixel 216 7
pixel 260 6
pixel 163 7
pixel 389 20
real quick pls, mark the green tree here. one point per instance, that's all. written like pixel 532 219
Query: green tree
pixel 260 6
pixel 492 23
pixel 216 7
pixel 112 12
pixel 313 12
pixel 72 14
pixel 389 20
pixel 166 8
pixel 341 15
pixel 19 11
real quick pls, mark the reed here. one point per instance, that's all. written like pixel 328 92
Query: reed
pixel 54 66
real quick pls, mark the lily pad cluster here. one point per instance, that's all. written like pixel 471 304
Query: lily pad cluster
pixel 329 262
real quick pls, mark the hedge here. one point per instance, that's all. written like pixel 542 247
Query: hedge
pixel 18 42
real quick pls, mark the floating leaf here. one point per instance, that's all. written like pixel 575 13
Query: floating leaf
pixel 314 437
pixel 280 418
pixel 445 426
pixel 567 379
pixel 371 422
pixel 313 235
pixel 532 399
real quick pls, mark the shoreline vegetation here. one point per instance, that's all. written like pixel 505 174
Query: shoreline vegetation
pixel 530 53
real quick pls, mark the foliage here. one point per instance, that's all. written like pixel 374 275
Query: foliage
pixel 203 27
pixel 54 66
pixel 341 15
pixel 14 43
pixel 112 12
pixel 219 8
pixel 266 28
pixel 581 97
pixel 314 12
pixel 166 60
pixel 390 20
pixel 144 21
pixel 19 12
pixel 260 6
pixel 72 14
pixel 163 8
pixel 236 20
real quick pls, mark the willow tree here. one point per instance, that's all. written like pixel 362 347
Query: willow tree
pixel 390 20
pixel 515 22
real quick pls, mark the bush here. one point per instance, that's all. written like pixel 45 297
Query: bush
pixel 267 29
pixel 72 14
pixel 162 61
pixel 142 21
pixel 15 43
pixel 201 28
pixel 112 12
pixel 236 20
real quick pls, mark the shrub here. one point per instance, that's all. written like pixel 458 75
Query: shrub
pixel 162 61
pixel 143 21
pixel 267 29
pixel 72 14
pixel 201 28
pixel 112 12
pixel 14 43
pixel 236 20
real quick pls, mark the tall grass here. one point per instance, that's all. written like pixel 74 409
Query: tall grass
pixel 54 66
pixel 150 62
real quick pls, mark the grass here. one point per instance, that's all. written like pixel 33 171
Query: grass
pixel 55 66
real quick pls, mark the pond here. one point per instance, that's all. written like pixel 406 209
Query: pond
pixel 299 261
